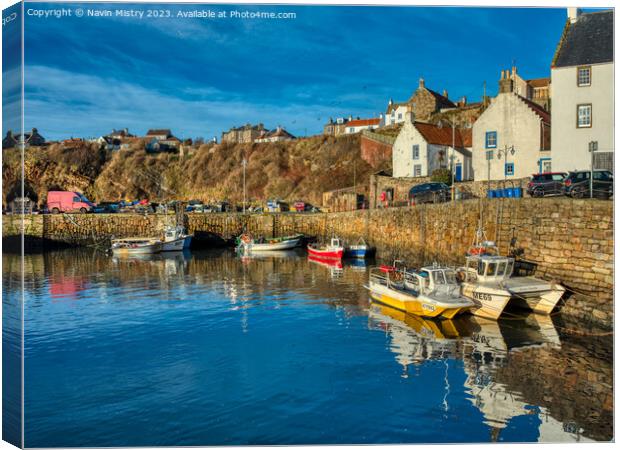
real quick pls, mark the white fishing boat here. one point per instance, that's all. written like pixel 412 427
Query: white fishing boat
pixel 487 280
pixel 429 292
pixel 246 244
pixel 175 239
pixel 136 246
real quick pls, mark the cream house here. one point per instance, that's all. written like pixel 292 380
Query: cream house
pixel 421 148
pixel 511 122
pixel 582 98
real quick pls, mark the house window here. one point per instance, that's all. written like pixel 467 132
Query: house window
pixel 491 139
pixel 417 170
pixel 584 116
pixel 584 76
pixel 416 152
pixel 400 116
pixel 489 155
pixel 509 169
pixel 351 130
pixel 545 165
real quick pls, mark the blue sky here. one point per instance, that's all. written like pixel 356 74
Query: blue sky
pixel 85 76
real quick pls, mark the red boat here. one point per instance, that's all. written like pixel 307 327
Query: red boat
pixel 322 251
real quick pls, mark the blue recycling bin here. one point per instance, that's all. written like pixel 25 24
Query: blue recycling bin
pixel 518 192
pixel 490 193
pixel 508 192
pixel 499 193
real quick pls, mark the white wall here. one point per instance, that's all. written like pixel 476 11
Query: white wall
pixel 402 155
pixel 401 109
pixel 516 125
pixel 569 144
pixel 402 152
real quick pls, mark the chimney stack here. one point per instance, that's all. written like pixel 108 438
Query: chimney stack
pixel 573 14
pixel 505 82
pixel 421 83
pixel 445 93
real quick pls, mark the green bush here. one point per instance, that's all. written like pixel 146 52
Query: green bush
pixel 442 176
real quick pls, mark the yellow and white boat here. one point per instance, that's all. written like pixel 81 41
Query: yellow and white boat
pixel 430 292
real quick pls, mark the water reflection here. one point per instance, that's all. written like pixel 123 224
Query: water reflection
pixel 517 375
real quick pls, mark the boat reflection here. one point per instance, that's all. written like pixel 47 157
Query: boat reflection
pixel 334 265
pixel 484 346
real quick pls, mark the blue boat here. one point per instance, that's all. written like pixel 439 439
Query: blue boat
pixel 359 250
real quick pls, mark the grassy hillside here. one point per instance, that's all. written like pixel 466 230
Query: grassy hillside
pixel 301 169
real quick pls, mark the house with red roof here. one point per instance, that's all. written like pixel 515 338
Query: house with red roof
pixel 421 148
pixel 357 125
pixel 512 138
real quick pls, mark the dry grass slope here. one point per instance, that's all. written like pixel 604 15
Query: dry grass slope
pixel 301 169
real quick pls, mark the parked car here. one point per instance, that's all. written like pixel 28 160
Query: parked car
pixel 68 201
pixel 429 193
pixel 549 183
pixel 577 184
pixel 106 208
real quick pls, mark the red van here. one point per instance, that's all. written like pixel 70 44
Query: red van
pixel 67 201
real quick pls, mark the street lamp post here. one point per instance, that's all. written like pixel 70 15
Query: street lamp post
pixel 452 123
pixel 244 163
pixel 592 147
pixel 504 152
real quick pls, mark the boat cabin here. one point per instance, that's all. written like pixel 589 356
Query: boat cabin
pixel 335 242
pixel 491 268
pixel 430 278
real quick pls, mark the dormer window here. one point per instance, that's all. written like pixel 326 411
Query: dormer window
pixel 584 76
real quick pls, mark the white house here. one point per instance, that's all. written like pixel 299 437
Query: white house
pixel 582 98
pixel 355 126
pixel 511 122
pixel 395 113
pixel 420 148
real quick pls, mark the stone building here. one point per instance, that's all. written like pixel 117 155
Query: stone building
pixel 31 138
pixel 243 135
pixel 159 134
pixel 277 135
pixel 511 122
pixel 421 148
pixel 425 102
pixel 582 75
pixel 336 127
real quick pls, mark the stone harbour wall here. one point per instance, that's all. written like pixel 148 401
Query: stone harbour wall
pixel 567 240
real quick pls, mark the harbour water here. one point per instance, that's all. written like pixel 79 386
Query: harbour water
pixel 208 348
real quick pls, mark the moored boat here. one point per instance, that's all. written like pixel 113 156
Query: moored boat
pixel 175 239
pixel 136 246
pixel 247 244
pixel 333 250
pixel 487 280
pixel 359 250
pixel 429 292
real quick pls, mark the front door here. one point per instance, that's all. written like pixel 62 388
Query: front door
pixel 458 176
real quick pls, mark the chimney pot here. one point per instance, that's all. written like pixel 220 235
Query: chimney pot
pixel 445 93
pixel 573 14
pixel 421 84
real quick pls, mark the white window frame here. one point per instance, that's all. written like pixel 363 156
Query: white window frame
pixel 417 170
pixel 415 152
pixel 584 81
pixel 584 111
